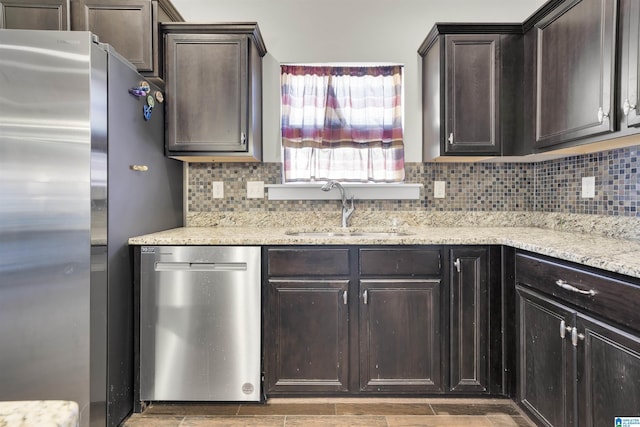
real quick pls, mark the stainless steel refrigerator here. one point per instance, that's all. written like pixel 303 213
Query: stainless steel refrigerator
pixel 82 169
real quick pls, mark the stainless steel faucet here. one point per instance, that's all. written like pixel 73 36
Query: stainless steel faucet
pixel 347 210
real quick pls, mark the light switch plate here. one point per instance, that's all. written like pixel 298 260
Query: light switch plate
pixel 588 187
pixel 217 189
pixel 255 189
pixel 439 189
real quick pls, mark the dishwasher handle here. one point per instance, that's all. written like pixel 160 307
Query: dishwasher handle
pixel 200 266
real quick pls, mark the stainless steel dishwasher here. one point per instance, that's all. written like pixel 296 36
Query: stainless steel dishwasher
pixel 200 323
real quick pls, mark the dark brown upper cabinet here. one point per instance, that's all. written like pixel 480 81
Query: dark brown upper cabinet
pixel 629 64
pixel 575 47
pixel 129 26
pixel 213 76
pixel 35 15
pixel 471 90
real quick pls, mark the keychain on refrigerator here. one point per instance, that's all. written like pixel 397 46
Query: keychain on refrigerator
pixel 146 111
pixel 141 90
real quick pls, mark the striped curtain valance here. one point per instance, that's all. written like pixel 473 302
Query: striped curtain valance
pixel 342 108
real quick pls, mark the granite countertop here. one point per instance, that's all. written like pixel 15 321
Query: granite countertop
pixel 42 413
pixel 607 253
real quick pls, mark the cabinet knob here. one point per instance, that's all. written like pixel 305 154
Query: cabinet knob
pixel 450 139
pixel 602 115
pixel 575 336
pixel 627 107
pixel 456 264
pixel 564 329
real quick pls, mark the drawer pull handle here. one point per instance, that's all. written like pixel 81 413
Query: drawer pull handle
pixel 139 168
pixel 345 297
pixel 565 285
pixel 456 264
pixel 365 297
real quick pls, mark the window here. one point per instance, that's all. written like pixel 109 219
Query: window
pixel 342 123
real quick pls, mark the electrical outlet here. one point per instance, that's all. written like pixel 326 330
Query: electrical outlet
pixel 217 189
pixel 439 189
pixel 588 187
pixel 255 189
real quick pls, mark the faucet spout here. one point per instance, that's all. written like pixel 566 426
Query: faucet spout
pixel 347 208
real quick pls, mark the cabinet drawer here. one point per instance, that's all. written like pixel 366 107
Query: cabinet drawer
pixel 308 262
pixel 610 298
pixel 400 262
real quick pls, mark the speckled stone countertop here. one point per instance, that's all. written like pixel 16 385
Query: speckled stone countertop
pixel 592 249
pixel 41 413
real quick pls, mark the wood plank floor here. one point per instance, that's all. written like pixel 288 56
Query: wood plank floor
pixel 345 412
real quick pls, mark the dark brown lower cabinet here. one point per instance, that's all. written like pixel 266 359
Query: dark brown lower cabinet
pixel 546 364
pixel 309 337
pixel 307 319
pixel 400 335
pixel 353 320
pixel 388 320
pixel 469 319
pixel 608 373
pixel 574 370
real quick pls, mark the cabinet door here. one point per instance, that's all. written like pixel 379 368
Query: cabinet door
pixel 206 77
pixel 400 335
pixel 472 76
pixel 127 25
pixel 574 74
pixel 608 373
pixel 34 15
pixel 469 349
pixel 546 360
pixel 630 62
pixel 307 344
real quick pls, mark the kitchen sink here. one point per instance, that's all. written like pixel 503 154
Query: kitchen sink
pixel 348 233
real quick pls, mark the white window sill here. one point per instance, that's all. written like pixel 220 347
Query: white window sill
pixel 312 191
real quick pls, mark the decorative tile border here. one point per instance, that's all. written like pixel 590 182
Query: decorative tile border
pixel 558 183
pixel 552 186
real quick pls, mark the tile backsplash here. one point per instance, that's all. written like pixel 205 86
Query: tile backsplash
pixel 548 186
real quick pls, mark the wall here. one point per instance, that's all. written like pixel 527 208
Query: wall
pixel 391 31
pixel 349 31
